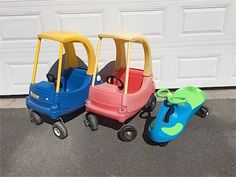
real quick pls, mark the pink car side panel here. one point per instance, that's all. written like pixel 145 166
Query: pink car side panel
pixel 106 112
pixel 105 93
pixel 137 100
pixel 106 99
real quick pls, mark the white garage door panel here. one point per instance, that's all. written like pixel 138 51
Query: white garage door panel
pixel 17 71
pixel 19 75
pixel 192 67
pixel 212 20
pixel 89 24
pixel 192 42
pixel 27 27
pixel 149 23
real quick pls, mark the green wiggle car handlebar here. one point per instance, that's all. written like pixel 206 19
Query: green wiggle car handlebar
pixel 165 93
pixel 176 100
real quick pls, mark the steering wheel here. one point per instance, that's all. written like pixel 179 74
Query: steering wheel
pixel 52 79
pixel 110 80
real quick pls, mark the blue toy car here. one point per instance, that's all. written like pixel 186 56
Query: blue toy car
pixel 67 87
pixel 175 112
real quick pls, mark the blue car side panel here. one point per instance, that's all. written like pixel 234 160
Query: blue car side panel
pixel 73 93
pixel 75 90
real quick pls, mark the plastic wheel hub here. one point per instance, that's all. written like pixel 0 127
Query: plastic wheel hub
pixel 57 132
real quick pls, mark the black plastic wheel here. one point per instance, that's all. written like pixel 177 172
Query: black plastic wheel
pixel 91 121
pixel 59 130
pixel 151 104
pixel 35 118
pixel 127 133
pixel 162 144
pixel 202 112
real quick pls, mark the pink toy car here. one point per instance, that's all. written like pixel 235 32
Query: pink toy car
pixel 124 91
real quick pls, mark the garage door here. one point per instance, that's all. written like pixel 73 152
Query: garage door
pixel 193 42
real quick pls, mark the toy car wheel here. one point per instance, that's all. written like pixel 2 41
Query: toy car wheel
pixel 127 133
pixel 202 112
pixel 91 121
pixel 35 118
pixel 151 104
pixel 59 130
pixel 162 144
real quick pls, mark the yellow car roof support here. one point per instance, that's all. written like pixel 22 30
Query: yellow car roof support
pixel 120 40
pixel 127 68
pixel 36 59
pixel 71 59
pixel 59 67
pixel 120 55
pixel 67 39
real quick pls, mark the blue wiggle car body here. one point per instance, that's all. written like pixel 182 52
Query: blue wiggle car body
pixel 67 89
pixel 175 112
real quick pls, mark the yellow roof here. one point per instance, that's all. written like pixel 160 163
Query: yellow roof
pixel 120 39
pixel 125 36
pixel 67 38
pixel 63 36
